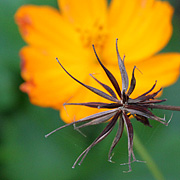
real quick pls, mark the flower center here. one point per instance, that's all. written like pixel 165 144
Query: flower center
pixel 95 34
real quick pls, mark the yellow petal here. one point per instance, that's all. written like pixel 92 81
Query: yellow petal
pixel 83 13
pixel 73 113
pixel 143 28
pixel 46 83
pixel 164 68
pixel 43 26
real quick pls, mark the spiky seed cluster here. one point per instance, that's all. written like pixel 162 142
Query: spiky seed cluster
pixel 121 108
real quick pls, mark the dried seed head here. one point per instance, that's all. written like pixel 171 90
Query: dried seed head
pixel 120 109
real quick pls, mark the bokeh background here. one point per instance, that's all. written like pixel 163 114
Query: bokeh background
pixel 26 155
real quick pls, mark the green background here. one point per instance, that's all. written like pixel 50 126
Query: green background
pixel 26 155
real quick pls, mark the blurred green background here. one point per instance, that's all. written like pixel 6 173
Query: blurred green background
pixel 26 155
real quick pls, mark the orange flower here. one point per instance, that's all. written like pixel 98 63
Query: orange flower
pixel 143 28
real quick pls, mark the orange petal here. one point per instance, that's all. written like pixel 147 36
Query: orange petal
pixel 43 26
pixel 83 13
pixel 164 68
pixel 73 113
pixel 143 28
pixel 46 83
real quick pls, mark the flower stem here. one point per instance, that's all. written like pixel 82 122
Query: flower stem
pixel 149 161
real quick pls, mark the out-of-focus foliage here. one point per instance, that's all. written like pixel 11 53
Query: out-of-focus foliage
pixel 24 152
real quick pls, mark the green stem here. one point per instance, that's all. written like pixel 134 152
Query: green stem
pixel 149 161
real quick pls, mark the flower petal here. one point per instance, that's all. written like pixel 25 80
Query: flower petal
pixel 43 26
pixel 163 67
pixel 143 27
pixel 71 113
pixel 46 82
pixel 92 89
pixel 83 14
pixel 74 113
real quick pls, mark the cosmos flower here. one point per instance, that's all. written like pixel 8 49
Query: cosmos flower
pixel 143 28
pixel 119 109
